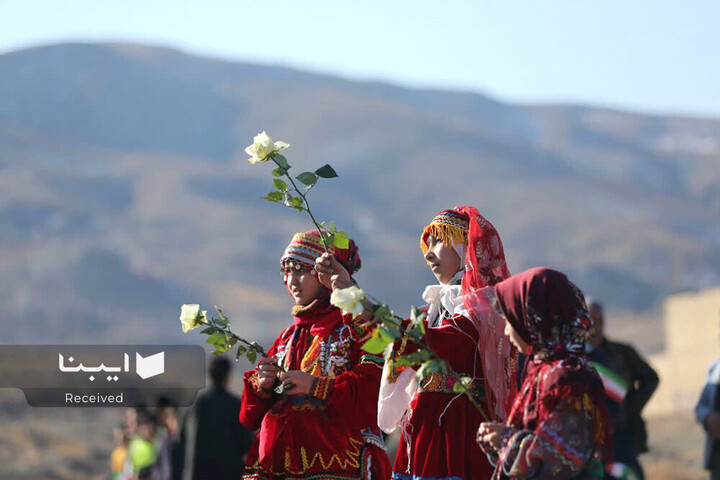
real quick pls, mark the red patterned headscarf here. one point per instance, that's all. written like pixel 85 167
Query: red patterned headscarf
pixel 548 311
pixel 485 258
pixel 484 266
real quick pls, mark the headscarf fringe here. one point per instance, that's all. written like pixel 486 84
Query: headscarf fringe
pixel 450 235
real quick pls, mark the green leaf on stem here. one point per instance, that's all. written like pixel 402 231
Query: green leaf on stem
pixel 279 172
pixel 382 312
pixel 296 202
pixel 307 178
pixel 421 324
pixel 427 369
pixel 326 171
pixel 273 196
pixel 390 332
pixel 377 343
pixel 252 356
pixel 416 358
pixel 462 385
pixel 208 330
pixel 281 161
pixel 240 351
pixel 341 240
pixel 280 184
pixel 327 237
pixel 414 333
pixel 216 338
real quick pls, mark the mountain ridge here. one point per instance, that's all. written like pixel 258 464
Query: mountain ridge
pixel 109 151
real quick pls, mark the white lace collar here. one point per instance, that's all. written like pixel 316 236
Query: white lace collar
pixel 449 295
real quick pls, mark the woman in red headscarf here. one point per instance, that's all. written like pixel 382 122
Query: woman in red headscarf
pixel 438 426
pixel 558 427
pixel 325 424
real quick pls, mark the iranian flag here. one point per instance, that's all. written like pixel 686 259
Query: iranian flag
pixel 615 387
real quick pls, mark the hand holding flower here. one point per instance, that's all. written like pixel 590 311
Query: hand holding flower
pixel 331 273
pixel 297 382
pixel 489 434
pixel 268 372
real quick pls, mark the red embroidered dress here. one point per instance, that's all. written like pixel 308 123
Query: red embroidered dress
pixel 439 426
pixel 331 433
pixel 438 441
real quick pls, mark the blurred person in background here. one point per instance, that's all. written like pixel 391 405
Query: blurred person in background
pixel 145 473
pixel 142 448
pixel 170 456
pixel 629 383
pixel 707 413
pixel 131 415
pixel 215 443
pixel 120 467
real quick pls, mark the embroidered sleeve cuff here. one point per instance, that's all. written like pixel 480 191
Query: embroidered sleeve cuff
pixel 321 388
pixel 509 447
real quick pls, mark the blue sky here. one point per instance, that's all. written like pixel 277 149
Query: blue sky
pixel 654 56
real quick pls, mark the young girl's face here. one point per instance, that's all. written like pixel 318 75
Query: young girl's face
pixel 515 338
pixel 303 285
pixel 443 260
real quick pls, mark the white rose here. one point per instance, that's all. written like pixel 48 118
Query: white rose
pixel 263 146
pixel 349 300
pixel 191 317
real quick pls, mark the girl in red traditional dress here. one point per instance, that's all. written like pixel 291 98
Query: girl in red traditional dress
pixel 558 427
pixel 325 424
pixel 438 426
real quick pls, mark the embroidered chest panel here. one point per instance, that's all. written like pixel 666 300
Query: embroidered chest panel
pixel 327 356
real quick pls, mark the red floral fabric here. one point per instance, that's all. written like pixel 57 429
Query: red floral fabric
pixel 559 425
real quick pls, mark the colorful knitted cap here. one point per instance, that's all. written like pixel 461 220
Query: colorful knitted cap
pixel 450 226
pixel 305 247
